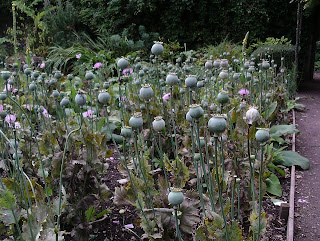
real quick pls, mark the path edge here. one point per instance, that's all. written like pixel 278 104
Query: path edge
pixel 290 225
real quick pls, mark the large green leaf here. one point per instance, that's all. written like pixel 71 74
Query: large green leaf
pixel 282 130
pixel 273 185
pixel 290 158
pixel 269 111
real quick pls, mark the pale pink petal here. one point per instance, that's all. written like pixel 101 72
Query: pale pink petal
pixel 129 225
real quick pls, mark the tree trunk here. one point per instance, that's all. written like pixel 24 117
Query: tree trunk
pixel 314 35
pixel 298 36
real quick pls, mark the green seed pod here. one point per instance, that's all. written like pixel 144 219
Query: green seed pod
pixel 216 63
pixel 157 48
pixel 172 79
pixel 3 96
pixel 36 74
pixel 126 131
pixel 196 111
pixel 217 124
pixel 136 120
pixel 224 63
pixel 142 106
pixel 5 74
pixel 208 64
pixel 262 135
pixel 55 94
pixel 123 63
pixel 223 97
pixel 27 71
pixel 89 75
pixel 202 142
pixel 146 92
pixel 175 197
pixel 64 102
pixel 32 87
pixel 236 76
pixel 265 65
pixel 3 114
pixel 106 85
pixel 188 117
pixel 191 81
pixel 69 77
pixel 200 84
pixel 213 107
pixel 57 74
pixel 104 97
pixel 81 98
pixel 158 124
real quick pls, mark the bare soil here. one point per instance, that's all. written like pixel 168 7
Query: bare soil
pixel 307 197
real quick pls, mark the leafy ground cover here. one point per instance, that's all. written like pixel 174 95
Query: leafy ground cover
pixel 198 142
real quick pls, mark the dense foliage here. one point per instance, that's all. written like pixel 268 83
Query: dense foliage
pixel 185 21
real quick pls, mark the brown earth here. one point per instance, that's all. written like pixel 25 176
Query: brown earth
pixel 307 197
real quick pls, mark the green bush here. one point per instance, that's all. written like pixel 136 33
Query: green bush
pixel 274 48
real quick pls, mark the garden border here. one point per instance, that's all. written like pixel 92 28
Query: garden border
pixel 290 225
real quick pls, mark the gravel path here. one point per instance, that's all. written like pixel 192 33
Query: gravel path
pixel 307 198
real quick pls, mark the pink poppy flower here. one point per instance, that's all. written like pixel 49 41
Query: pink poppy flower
pixel 10 118
pixel 166 97
pixel 9 87
pixel 1 107
pixel 123 98
pixel 17 125
pixel 45 113
pixel 282 70
pixel 78 56
pixel 42 65
pixel 15 91
pixel 87 114
pixel 97 65
pixel 127 71
pixel 244 92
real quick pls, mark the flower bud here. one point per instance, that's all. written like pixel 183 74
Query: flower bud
pixel 252 115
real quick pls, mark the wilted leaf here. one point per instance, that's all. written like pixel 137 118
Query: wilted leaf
pixel 254 220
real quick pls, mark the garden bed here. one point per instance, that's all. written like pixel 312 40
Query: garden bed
pixel 160 151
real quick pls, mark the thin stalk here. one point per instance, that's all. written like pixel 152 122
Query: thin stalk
pixel 195 163
pixel 218 183
pixel 173 125
pixel 260 191
pixel 161 161
pixel 251 171
pixel 203 165
pixel 142 172
pixel 61 171
pixel 232 199
pixel 177 223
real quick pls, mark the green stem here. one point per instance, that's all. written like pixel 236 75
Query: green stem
pixel 219 187
pixel 260 191
pixel 173 124
pixel 61 171
pixel 177 223
pixel 251 171
pixel 143 172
